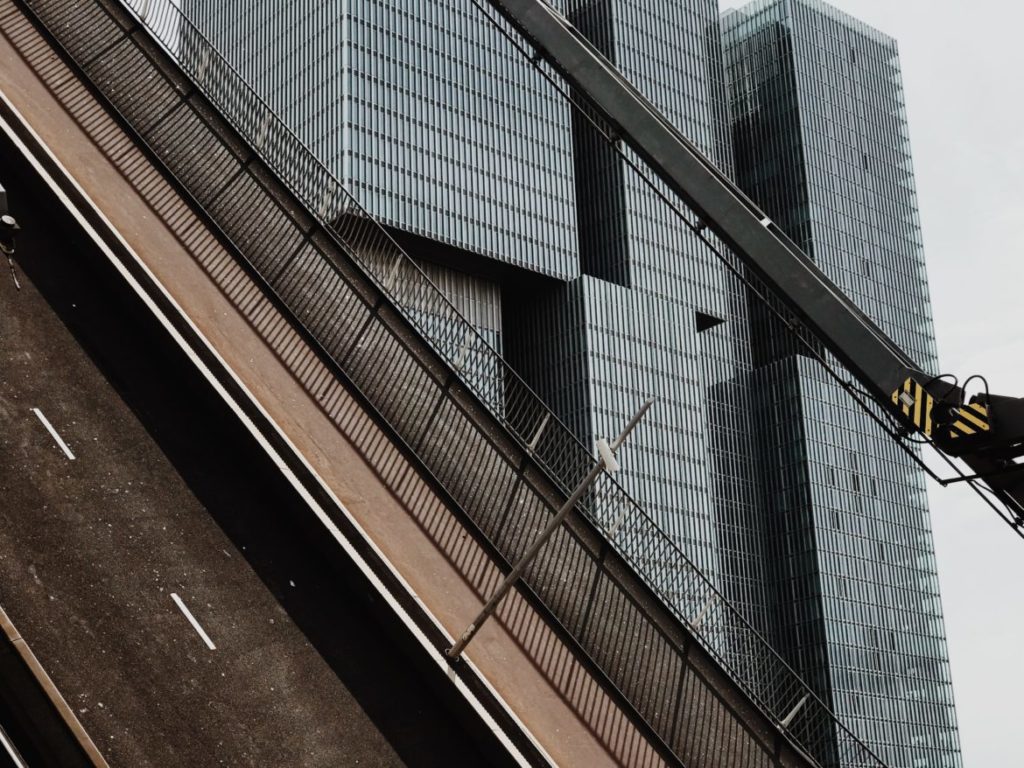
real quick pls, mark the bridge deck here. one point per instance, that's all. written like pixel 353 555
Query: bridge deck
pixel 429 549
pixel 91 549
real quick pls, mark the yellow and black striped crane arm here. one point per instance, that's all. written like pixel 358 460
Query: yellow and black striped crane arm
pixel 987 432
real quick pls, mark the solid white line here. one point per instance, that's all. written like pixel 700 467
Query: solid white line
pixel 439 658
pixel 193 622
pixel 53 432
pixel 11 750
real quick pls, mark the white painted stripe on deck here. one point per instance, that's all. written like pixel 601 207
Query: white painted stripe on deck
pixel 192 620
pixel 11 751
pixel 53 433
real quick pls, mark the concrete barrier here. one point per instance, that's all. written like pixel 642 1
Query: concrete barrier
pixel 39 721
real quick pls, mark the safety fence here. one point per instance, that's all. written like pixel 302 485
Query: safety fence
pixel 424 396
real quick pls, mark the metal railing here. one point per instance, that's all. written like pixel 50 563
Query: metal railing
pixel 420 397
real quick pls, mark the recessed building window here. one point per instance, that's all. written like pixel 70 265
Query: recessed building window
pixel 707 322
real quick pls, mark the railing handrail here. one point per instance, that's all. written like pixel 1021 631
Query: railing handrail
pixel 739 621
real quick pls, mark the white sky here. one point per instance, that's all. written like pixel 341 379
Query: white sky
pixel 962 63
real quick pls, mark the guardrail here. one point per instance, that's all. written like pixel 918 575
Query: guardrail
pixel 419 397
pixel 34 709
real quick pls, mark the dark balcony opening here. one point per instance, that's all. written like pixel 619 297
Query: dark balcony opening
pixel 707 322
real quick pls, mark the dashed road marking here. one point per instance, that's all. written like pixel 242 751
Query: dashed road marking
pixel 193 622
pixel 53 433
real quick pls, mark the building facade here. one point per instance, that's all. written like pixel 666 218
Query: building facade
pixel 434 123
pixel 820 134
pixel 539 230
pixel 448 135
pixel 653 313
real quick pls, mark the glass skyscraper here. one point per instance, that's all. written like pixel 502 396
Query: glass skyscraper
pixel 653 312
pixel 445 132
pixel 435 124
pixel 764 473
pixel 820 136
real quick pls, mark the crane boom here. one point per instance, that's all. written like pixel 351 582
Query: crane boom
pixel 987 432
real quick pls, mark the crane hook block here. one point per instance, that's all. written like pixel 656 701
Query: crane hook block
pixel 941 419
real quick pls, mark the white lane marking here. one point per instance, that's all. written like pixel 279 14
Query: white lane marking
pixel 193 622
pixel 11 751
pixel 53 433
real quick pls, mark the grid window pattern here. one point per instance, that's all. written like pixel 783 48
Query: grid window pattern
pixel 820 132
pixel 442 130
pixel 423 111
pixel 654 314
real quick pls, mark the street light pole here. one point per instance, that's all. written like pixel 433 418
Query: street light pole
pixel 8 226
pixel 606 461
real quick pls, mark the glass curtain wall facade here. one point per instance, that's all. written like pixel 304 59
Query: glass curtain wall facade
pixel 653 312
pixel 764 473
pixel 428 117
pixel 446 132
pixel 820 136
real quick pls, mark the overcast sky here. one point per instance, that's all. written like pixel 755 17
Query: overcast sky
pixel 962 65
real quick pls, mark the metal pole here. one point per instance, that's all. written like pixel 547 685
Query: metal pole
pixel 8 228
pixel 488 610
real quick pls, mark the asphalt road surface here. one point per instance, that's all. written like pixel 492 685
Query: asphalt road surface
pixel 154 559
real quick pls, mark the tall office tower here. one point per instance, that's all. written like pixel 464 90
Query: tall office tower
pixel 654 313
pixel 448 135
pixel 446 132
pixel 820 135
pixel 430 118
